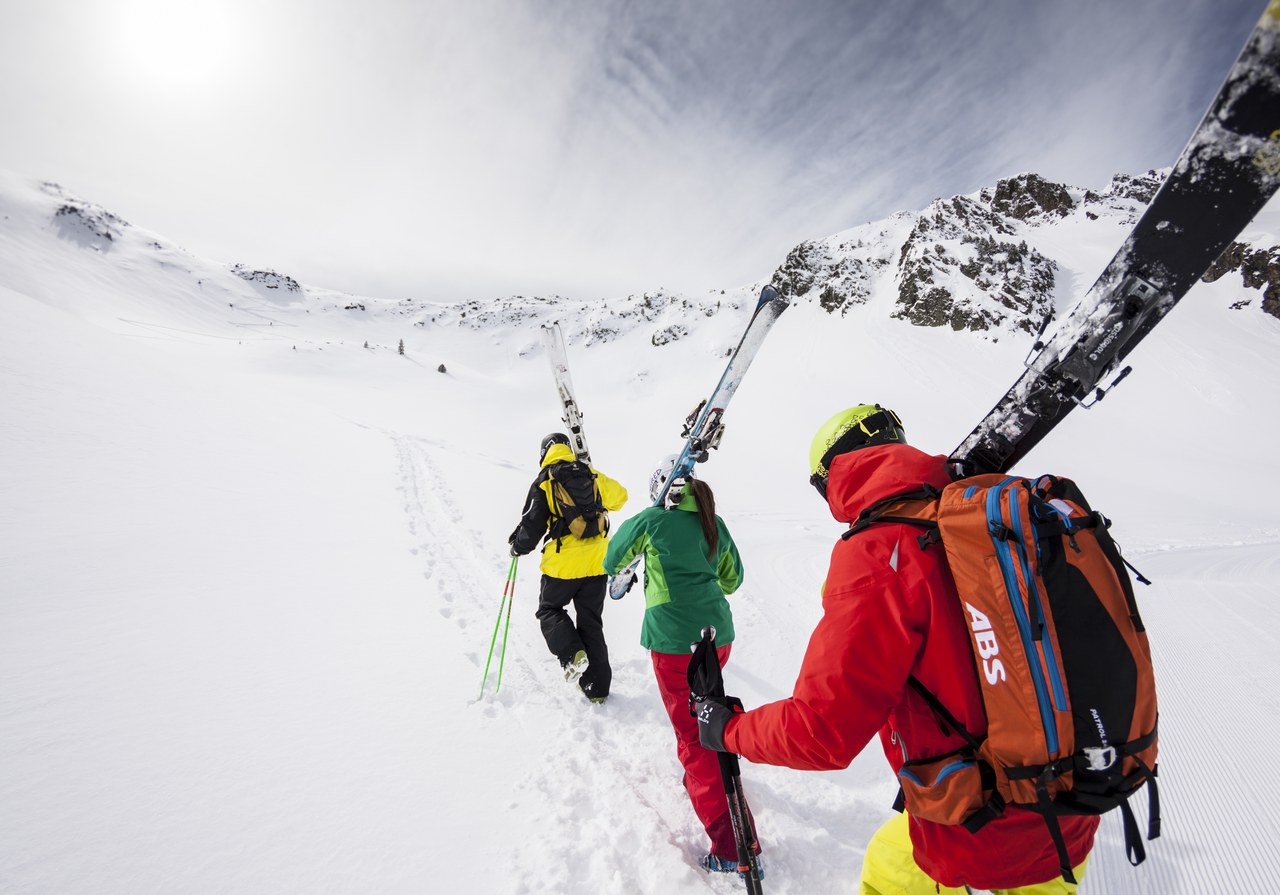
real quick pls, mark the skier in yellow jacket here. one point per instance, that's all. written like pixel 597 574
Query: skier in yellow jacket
pixel 568 510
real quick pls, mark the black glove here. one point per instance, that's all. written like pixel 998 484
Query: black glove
pixel 713 714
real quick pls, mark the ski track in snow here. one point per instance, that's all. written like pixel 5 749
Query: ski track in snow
pixel 450 564
pixel 1207 603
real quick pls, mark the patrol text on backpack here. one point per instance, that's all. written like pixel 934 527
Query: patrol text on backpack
pixel 576 508
pixel 1060 652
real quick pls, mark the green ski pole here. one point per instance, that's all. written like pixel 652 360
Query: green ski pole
pixel 508 592
pixel 502 657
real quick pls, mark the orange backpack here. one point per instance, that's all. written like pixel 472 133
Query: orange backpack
pixel 1060 653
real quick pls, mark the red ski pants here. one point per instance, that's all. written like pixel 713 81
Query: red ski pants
pixel 701 766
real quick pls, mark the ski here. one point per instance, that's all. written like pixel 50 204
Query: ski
pixel 705 425
pixel 1227 173
pixel 569 412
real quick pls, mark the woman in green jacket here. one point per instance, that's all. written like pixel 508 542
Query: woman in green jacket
pixel 690 565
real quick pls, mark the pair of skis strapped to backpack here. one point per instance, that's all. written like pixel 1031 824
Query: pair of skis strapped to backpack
pixel 1047 599
pixel 553 341
pixel 575 496
pixel 1228 171
pixel 704 427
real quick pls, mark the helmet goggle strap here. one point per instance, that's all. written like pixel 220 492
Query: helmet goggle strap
pixel 549 441
pixel 881 427
pixel 819 481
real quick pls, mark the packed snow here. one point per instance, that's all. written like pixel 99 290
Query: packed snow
pixel 252 557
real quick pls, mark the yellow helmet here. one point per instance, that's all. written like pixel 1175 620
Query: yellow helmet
pixel 849 430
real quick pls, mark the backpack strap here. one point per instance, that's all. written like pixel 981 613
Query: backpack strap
pixel 879 513
pixel 1133 847
pixel 995 805
pixel 1153 799
pixel 1060 843
pixel 557 524
pixel 941 711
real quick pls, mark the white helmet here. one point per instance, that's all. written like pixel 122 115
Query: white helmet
pixel 658 481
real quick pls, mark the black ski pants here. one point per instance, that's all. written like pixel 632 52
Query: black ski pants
pixel 565 637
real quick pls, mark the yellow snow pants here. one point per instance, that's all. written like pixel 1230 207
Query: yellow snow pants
pixel 890 869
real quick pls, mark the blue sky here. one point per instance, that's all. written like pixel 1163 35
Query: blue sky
pixel 581 147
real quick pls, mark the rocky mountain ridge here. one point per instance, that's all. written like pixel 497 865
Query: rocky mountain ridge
pixel 968 262
pixel 991 263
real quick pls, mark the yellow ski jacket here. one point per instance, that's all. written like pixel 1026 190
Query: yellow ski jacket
pixel 569 556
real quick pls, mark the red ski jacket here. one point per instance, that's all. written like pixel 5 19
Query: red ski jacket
pixel 890 610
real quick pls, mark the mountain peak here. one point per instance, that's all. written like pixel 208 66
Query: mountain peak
pixel 987 262
pixel 1028 196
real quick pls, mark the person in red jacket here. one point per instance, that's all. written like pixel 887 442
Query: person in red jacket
pixel 890 611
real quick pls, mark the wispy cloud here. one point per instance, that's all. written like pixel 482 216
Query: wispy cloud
pixel 445 149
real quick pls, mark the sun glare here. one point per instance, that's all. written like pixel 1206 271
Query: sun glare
pixel 176 45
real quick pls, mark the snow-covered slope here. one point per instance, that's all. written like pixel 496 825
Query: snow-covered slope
pixel 251 557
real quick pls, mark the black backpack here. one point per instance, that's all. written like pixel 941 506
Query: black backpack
pixel 576 508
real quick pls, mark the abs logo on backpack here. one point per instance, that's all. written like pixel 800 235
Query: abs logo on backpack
pixel 985 644
pixel 576 506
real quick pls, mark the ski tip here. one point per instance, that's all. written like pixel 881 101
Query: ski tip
pixel 771 296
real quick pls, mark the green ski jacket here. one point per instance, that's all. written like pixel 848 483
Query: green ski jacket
pixel 684 589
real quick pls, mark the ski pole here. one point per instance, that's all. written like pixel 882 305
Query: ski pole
pixel 706 678
pixel 511 598
pixel 508 595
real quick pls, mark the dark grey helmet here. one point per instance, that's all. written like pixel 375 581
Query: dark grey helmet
pixel 553 438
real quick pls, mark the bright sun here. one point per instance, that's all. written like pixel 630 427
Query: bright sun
pixel 176 44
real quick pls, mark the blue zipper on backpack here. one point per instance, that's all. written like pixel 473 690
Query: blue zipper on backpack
pixel 1046 644
pixel 959 764
pixel 1004 556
